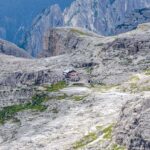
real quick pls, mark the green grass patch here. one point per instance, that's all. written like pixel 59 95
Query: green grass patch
pixel 134 79
pixel 56 87
pixel 64 96
pixel 147 72
pixel 145 88
pixel 89 70
pixel 9 112
pixel 61 97
pixel 79 32
pixel 78 98
pixel 117 147
pixel 108 132
pixel 85 140
pixel 103 87
pixel 135 87
pixel 99 128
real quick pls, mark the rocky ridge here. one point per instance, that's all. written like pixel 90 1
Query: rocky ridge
pixel 104 18
pixel 9 48
pixel 19 77
pixel 114 75
pixel 52 18
pixel 109 17
pixel 97 56
pixel 16 16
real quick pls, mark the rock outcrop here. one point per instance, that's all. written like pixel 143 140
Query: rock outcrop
pixel 51 17
pixel 58 41
pixel 20 77
pixel 101 54
pixel 107 17
pixel 9 48
pixel 103 17
pixel 114 71
pixel 16 17
pixel 102 60
pixel 133 128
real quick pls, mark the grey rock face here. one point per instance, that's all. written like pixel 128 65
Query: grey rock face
pixel 138 16
pixel 58 41
pixel 103 17
pixel 20 77
pixel 133 128
pixel 105 60
pixel 16 16
pixel 51 17
pixel 125 53
pixel 107 17
pixel 9 48
pixel 65 121
pixel 129 51
pixel 15 95
pixel 107 57
pixel 30 78
pixel 19 87
pixel 75 112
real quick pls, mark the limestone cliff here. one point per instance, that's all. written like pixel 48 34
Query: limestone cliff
pixel 51 17
pixel 38 109
pixel 103 17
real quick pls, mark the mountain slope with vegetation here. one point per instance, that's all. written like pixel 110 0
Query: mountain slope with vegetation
pixel 108 108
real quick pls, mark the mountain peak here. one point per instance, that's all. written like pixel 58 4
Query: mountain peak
pixel 107 17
